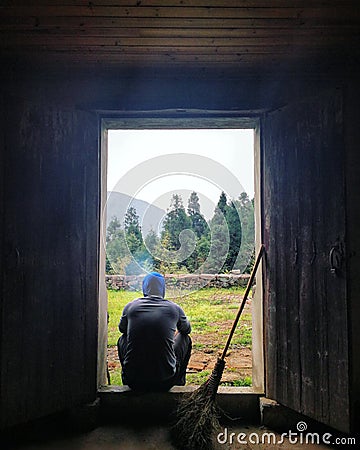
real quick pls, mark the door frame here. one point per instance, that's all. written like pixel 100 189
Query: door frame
pixel 184 119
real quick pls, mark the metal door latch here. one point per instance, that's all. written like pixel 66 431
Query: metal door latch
pixel 335 259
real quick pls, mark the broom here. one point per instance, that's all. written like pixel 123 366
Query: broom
pixel 197 412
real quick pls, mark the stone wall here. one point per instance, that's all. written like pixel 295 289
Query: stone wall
pixel 183 281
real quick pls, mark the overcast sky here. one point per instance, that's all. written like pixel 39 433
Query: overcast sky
pixel 151 165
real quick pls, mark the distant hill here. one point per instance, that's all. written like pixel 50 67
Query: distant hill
pixel 150 215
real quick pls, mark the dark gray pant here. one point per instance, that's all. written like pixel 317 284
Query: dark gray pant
pixel 182 348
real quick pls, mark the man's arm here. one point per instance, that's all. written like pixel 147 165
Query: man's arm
pixel 123 321
pixel 183 324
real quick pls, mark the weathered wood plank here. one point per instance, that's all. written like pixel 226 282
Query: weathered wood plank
pixel 89 22
pixel 283 322
pixel 270 304
pixel 181 53
pixel 179 12
pixel 308 307
pixel 332 144
pixel 188 3
pixel 288 320
pixel 307 33
pixel 289 62
pixel 291 40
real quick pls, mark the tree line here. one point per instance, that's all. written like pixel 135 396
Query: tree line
pixel 187 242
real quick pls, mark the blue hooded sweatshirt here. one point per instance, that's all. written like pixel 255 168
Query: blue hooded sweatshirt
pixel 154 285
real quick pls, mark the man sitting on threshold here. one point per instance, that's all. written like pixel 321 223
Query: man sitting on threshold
pixel 155 346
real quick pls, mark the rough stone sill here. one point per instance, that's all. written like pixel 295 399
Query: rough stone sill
pixel 124 404
pixel 222 390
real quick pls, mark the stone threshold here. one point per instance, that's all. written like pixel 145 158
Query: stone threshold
pixel 120 402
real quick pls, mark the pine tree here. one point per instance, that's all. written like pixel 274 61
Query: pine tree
pixel 153 251
pixel 219 245
pixel 117 252
pixel 193 204
pixel 112 229
pixel 234 224
pixel 175 221
pixel 245 207
pixel 202 232
pixel 225 229
pixel 152 242
pixel 198 222
pixel 133 230
pixel 222 203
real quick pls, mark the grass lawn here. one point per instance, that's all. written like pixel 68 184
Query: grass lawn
pixel 211 312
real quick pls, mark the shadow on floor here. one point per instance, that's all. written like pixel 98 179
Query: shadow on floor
pixel 117 437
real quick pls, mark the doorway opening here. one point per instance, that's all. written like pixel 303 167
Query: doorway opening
pixel 182 197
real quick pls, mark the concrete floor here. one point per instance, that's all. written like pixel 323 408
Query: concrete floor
pixel 108 424
pixel 116 437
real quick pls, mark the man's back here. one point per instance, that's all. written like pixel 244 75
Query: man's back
pixel 150 324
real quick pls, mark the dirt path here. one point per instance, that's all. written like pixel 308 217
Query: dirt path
pixel 238 359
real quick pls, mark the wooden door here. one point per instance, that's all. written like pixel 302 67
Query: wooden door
pixel 305 310
pixel 50 258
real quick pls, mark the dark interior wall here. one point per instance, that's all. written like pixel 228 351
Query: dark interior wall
pixel 50 213
pixel 2 220
pixel 161 90
pixel 352 164
pixel 50 239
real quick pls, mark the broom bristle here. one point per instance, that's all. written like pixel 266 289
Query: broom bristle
pixel 198 414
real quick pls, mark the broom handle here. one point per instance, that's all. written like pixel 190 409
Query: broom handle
pixel 240 310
